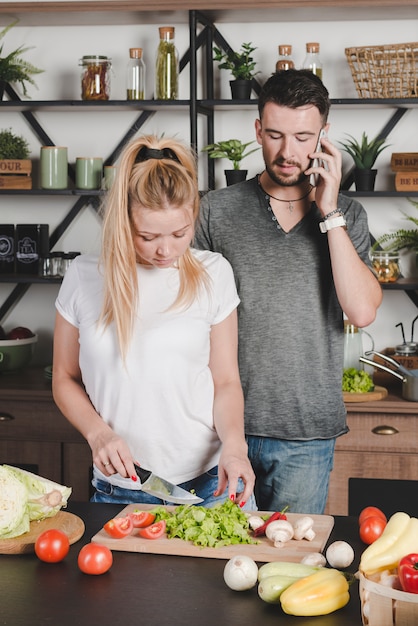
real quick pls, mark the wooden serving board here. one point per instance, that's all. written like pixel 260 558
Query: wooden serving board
pixel 69 523
pixel 377 394
pixel 264 551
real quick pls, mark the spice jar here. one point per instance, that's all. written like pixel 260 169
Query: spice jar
pixel 285 61
pixel 386 265
pixel 312 61
pixel 167 66
pixel 95 77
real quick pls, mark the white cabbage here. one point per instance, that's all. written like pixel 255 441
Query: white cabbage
pixel 25 497
pixel 14 516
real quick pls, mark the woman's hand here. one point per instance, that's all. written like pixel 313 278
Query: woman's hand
pixel 232 466
pixel 111 453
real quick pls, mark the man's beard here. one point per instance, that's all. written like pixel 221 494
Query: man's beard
pixel 285 181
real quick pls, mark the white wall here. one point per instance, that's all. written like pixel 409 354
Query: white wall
pixel 57 49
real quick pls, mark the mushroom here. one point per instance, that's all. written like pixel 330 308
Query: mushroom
pixel 254 522
pixel 303 529
pixel 340 554
pixel 279 532
pixel 314 558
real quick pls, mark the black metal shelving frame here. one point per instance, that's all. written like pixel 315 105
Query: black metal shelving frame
pixel 203 35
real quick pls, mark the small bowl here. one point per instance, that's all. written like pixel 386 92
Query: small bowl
pixel 16 353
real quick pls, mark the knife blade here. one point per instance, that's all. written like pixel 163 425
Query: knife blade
pixel 161 488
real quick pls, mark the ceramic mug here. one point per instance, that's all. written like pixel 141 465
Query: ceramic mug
pixel 88 172
pixel 54 167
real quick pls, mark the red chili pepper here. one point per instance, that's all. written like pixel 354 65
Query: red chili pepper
pixel 408 573
pixel 274 516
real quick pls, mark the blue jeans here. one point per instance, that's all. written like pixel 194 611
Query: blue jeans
pixel 203 485
pixel 291 473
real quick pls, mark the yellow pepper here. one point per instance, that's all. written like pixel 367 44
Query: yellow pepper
pixel 400 537
pixel 318 594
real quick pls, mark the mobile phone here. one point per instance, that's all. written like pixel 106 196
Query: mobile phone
pixel 314 178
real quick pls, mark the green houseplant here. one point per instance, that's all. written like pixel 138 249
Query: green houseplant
pixel 401 239
pixel 15 166
pixel 233 150
pixel 14 69
pixel 242 67
pixel 13 146
pixel 364 154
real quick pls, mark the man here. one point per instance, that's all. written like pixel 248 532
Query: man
pixel 300 257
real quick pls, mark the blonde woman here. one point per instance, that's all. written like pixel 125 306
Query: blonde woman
pixel 145 344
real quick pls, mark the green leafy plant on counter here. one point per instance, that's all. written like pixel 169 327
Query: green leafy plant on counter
pixel 240 64
pixel 401 239
pixel 13 146
pixel 14 69
pixel 364 152
pixel 232 149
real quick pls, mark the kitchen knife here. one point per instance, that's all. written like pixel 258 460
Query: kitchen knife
pixel 161 488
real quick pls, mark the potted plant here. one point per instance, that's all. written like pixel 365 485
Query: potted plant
pixel 364 154
pixel 15 166
pixel 14 69
pixel 402 239
pixel 233 150
pixel 241 65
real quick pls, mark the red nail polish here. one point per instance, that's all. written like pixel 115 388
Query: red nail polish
pixel 232 497
pixel 242 504
pixel 134 478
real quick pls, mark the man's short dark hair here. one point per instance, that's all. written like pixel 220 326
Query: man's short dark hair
pixel 293 89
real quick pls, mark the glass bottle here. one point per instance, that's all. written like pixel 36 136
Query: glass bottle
pixel 135 80
pixel 285 61
pixel 95 77
pixel 312 61
pixel 167 66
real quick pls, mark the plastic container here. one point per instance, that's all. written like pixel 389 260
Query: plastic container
pixel 312 61
pixel 135 75
pixel 95 77
pixel 284 62
pixel 167 66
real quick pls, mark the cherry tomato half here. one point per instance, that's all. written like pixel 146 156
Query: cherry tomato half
pixel 371 529
pixel 155 531
pixel 95 559
pixel 141 519
pixel 52 546
pixel 119 527
pixel 371 511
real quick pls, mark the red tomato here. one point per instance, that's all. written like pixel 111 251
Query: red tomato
pixel 95 559
pixel 119 527
pixel 371 511
pixel 155 531
pixel 52 546
pixel 371 529
pixel 141 519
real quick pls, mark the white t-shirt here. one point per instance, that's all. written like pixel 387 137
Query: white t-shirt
pixel 161 400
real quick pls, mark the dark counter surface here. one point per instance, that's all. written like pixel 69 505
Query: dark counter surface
pixel 146 589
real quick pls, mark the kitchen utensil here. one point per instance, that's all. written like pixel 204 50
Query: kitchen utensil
pixel 70 524
pixel 353 344
pixel 161 488
pixel 262 551
pixel 409 380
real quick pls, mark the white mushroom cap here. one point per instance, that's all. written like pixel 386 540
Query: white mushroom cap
pixel 279 531
pixel 303 529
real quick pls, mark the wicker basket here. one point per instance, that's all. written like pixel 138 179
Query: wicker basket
pixel 384 606
pixel 389 71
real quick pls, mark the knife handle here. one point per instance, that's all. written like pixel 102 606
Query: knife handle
pixel 143 474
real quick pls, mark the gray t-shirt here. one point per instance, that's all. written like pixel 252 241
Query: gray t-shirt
pixel 290 321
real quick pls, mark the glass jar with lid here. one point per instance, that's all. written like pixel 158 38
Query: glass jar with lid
pixel 385 265
pixel 95 77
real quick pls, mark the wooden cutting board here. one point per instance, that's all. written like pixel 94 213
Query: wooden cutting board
pixel 264 551
pixel 69 523
pixel 378 393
